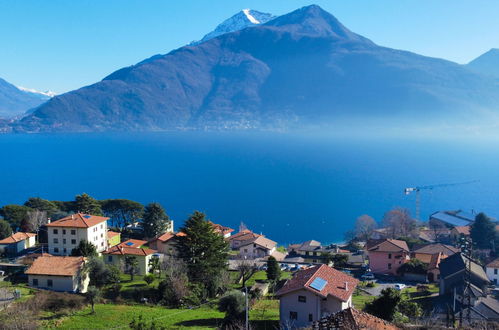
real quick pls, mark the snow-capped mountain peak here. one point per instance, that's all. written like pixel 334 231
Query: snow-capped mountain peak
pixel 47 94
pixel 243 19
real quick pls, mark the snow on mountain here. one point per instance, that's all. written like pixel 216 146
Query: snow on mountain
pixel 243 19
pixel 46 94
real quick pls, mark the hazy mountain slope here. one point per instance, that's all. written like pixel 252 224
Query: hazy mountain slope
pixel 487 64
pixel 15 102
pixel 301 68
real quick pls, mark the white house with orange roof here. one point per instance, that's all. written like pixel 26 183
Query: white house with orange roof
pixel 236 240
pixel 166 243
pixel 65 234
pixel 17 242
pixel 257 247
pixel 314 293
pixel 115 255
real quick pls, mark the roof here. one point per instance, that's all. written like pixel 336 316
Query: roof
pixel 338 285
pixel 133 243
pixel 493 264
pixel 390 245
pixel 465 230
pixel 455 218
pixel 78 220
pixel 167 236
pixel 123 250
pixel 353 319
pixel 489 307
pixel 243 235
pixel 221 229
pixel 437 248
pixel 310 245
pixel 435 261
pixel 260 241
pixel 17 237
pixel 457 263
pixel 58 266
pixel 111 234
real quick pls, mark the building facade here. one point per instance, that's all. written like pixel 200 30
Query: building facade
pixel 387 255
pixel 492 271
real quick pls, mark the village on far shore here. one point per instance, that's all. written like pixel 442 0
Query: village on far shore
pixel 398 273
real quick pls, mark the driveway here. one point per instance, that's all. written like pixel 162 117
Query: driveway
pixel 376 291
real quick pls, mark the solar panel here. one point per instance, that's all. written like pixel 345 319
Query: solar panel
pixel 129 244
pixel 87 216
pixel 318 284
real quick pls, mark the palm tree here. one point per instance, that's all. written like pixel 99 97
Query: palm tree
pixel 131 265
pixel 154 265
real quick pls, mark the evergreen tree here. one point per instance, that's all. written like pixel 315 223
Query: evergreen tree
pixel 84 249
pixel 85 203
pixel 43 205
pixel 122 211
pixel 385 306
pixel 14 214
pixel 155 220
pixel 131 266
pixel 483 231
pixel 204 251
pixel 273 270
pixel 5 230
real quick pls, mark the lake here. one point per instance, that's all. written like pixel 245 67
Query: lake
pixel 291 187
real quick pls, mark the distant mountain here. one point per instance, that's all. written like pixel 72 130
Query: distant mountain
pixel 245 18
pixel 16 101
pixel 297 69
pixel 487 64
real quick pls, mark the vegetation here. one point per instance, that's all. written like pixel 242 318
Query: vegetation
pixel 122 212
pixel 483 232
pixel 131 266
pixel 385 305
pixel 43 205
pixel 273 270
pixel 399 223
pixel 246 269
pixel 364 226
pixel 155 220
pixel 84 249
pixel 233 304
pixel 5 230
pixel 101 274
pixel 84 203
pixel 92 295
pixel 14 214
pixel 413 266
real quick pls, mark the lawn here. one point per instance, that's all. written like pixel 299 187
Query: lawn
pixel 26 291
pixel 360 299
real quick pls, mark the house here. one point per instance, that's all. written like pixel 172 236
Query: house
pixel 314 293
pixel 451 219
pixel 492 271
pixel 17 242
pixel 65 234
pixel 58 274
pixel 435 235
pixel 426 252
pixel 381 233
pixel 485 309
pixel 242 236
pixel 166 243
pixel 353 319
pixel 115 255
pixel 258 247
pixel 113 238
pixel 133 243
pixel 313 251
pixel 453 273
pixel 387 255
pixel 226 232
pixel 459 232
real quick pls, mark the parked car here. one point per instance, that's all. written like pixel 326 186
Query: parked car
pixel 399 286
pixel 368 277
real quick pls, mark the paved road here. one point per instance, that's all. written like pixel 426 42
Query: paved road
pixel 376 291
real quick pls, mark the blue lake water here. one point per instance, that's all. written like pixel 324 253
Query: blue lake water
pixel 290 187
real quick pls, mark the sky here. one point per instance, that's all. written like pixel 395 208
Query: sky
pixel 61 45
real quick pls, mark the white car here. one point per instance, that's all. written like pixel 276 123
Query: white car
pixel 399 286
pixel 368 276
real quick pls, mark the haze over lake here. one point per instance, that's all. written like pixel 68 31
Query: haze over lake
pixel 291 187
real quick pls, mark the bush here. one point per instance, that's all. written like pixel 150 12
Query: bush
pixel 113 292
pixel 371 284
pixel 413 266
pixel 148 278
pixel 57 301
pixel 233 304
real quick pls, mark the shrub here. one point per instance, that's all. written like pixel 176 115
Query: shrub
pixel 57 301
pixel 148 278
pixel 413 266
pixel 233 304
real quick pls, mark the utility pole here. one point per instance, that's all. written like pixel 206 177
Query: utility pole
pixel 467 251
pixel 247 309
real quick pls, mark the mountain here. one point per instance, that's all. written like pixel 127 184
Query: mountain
pixel 15 101
pixel 303 68
pixel 245 18
pixel 487 64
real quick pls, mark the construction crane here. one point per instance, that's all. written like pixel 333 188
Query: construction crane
pixel 417 190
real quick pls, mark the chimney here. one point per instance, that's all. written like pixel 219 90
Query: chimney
pixel 48 220
pixel 346 286
pixel 72 216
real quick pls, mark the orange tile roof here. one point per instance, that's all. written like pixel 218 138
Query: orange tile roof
pixel 17 237
pixel 243 235
pixel 260 241
pixel 354 319
pixel 132 243
pixel 390 245
pixel 493 264
pixel 78 220
pixel 61 266
pixel 167 236
pixel 221 229
pixel 465 230
pixel 335 286
pixel 111 234
pixel 122 250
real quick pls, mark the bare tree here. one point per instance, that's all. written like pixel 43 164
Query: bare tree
pixel 34 220
pixel 399 222
pixel 364 226
pixel 246 269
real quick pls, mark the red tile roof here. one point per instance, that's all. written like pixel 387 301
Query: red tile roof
pixel 58 266
pixel 17 237
pixel 493 264
pixel 335 286
pixel 122 250
pixel 111 234
pixel 78 220
pixel 221 229
pixel 465 230
pixel 167 236
pixel 243 235
pixel 435 248
pixel 132 243
pixel 353 319
pixel 390 245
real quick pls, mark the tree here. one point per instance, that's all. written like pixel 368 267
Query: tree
pixel 92 295
pixel 84 249
pixel 233 304
pixel 364 227
pixel 5 230
pixel 100 274
pixel 84 203
pixel 155 220
pixel 204 251
pixel 385 305
pixel 399 222
pixel 246 269
pixel 410 309
pixel 483 231
pixel 122 211
pixel 155 265
pixel 40 204
pixel 131 266
pixel 33 220
pixel 174 289
pixel 148 278
pixel 273 270
pixel 413 266
pixel 14 214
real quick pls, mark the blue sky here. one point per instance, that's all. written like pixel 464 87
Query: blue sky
pixel 61 45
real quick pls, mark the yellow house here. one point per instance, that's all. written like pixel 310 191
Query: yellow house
pixel 116 256
pixel 113 238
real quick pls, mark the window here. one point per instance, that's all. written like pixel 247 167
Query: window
pixel 101 243
pixel 310 317
pixel 293 315
pixel 389 266
pixel 35 282
pixel 101 226
pixel 50 283
pixel 56 231
pixel 64 231
pixel 73 231
pixel 56 250
pixel 56 240
pixel 315 253
pixel 307 253
pixel 495 281
pixel 64 250
pixel 302 299
pixel 101 235
pixel 73 241
pixel 110 258
pixel 63 241
pixel 389 255
pixel 495 271
pixel 245 250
